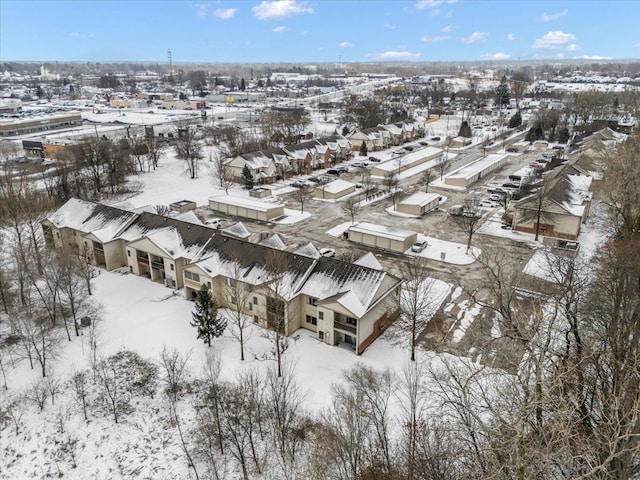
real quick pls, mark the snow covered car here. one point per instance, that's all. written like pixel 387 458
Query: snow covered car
pixel 327 252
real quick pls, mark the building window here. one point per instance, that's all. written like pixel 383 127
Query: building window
pixel 128 253
pixel 250 305
pixel 312 301
pixel 255 319
pixel 312 320
pixel 255 300
pixel 231 282
pixel 209 285
pixel 351 321
pixel 321 315
pixel 191 276
pixel 171 265
pixel 232 299
pixel 321 335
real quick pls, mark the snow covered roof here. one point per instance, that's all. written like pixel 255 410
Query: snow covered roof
pixel 420 198
pixel 179 239
pixel 369 260
pixel 381 231
pixel 255 264
pixel 245 202
pixel 87 217
pixel 308 250
pixel 354 287
pixel 237 230
pixel 273 241
pixel 336 186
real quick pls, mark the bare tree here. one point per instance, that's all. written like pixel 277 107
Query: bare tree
pixel 242 422
pixel 375 391
pixel 415 299
pixel 238 297
pixel 278 305
pixel 284 400
pixel 351 207
pixel 302 194
pixel 427 178
pixel 188 147
pixel 174 368
pixel 390 181
pixel 470 220
pixel 81 390
pixel 113 388
pixel 442 164
pixel 622 187
pixel 155 151
pixel 222 172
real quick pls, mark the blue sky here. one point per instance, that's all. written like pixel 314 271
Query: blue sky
pixel 317 31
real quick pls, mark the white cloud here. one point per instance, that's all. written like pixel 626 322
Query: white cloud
pixel 511 37
pixel 548 17
pixel 495 56
pixel 447 29
pixel 422 4
pixel 278 29
pixel 393 55
pixel 279 9
pixel 474 37
pixel 346 45
pixel 573 48
pixel 225 13
pixel 553 40
pixel 437 38
pixel 388 26
pixel 202 9
pixel 592 57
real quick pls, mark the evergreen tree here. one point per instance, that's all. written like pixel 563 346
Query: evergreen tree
pixel 502 93
pixel 515 120
pixel 247 177
pixel 243 85
pixel 363 149
pixel 206 318
pixel 563 135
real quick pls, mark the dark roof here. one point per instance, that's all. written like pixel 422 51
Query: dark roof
pixel 249 254
pixel 190 233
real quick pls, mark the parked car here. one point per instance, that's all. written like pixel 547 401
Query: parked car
pixel 399 152
pixel 327 252
pixel 359 164
pixel 374 159
pixel 435 139
pixel 314 179
pixel 342 169
pixel 512 149
pixel 419 246
pixel 333 171
pixel 299 184
pixel 487 204
pixel 496 198
pixel 408 148
pixel 424 144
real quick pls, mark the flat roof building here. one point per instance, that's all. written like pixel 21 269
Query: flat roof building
pixel 246 207
pixel 474 171
pixel 379 236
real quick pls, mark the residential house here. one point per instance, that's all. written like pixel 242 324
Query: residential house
pixel 564 207
pixel 341 302
pixel 91 229
pixel 158 247
pixel 261 164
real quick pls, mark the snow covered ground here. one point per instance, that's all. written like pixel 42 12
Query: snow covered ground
pixel 145 317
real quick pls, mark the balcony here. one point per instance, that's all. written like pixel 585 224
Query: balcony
pixel 351 329
pixel 157 265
